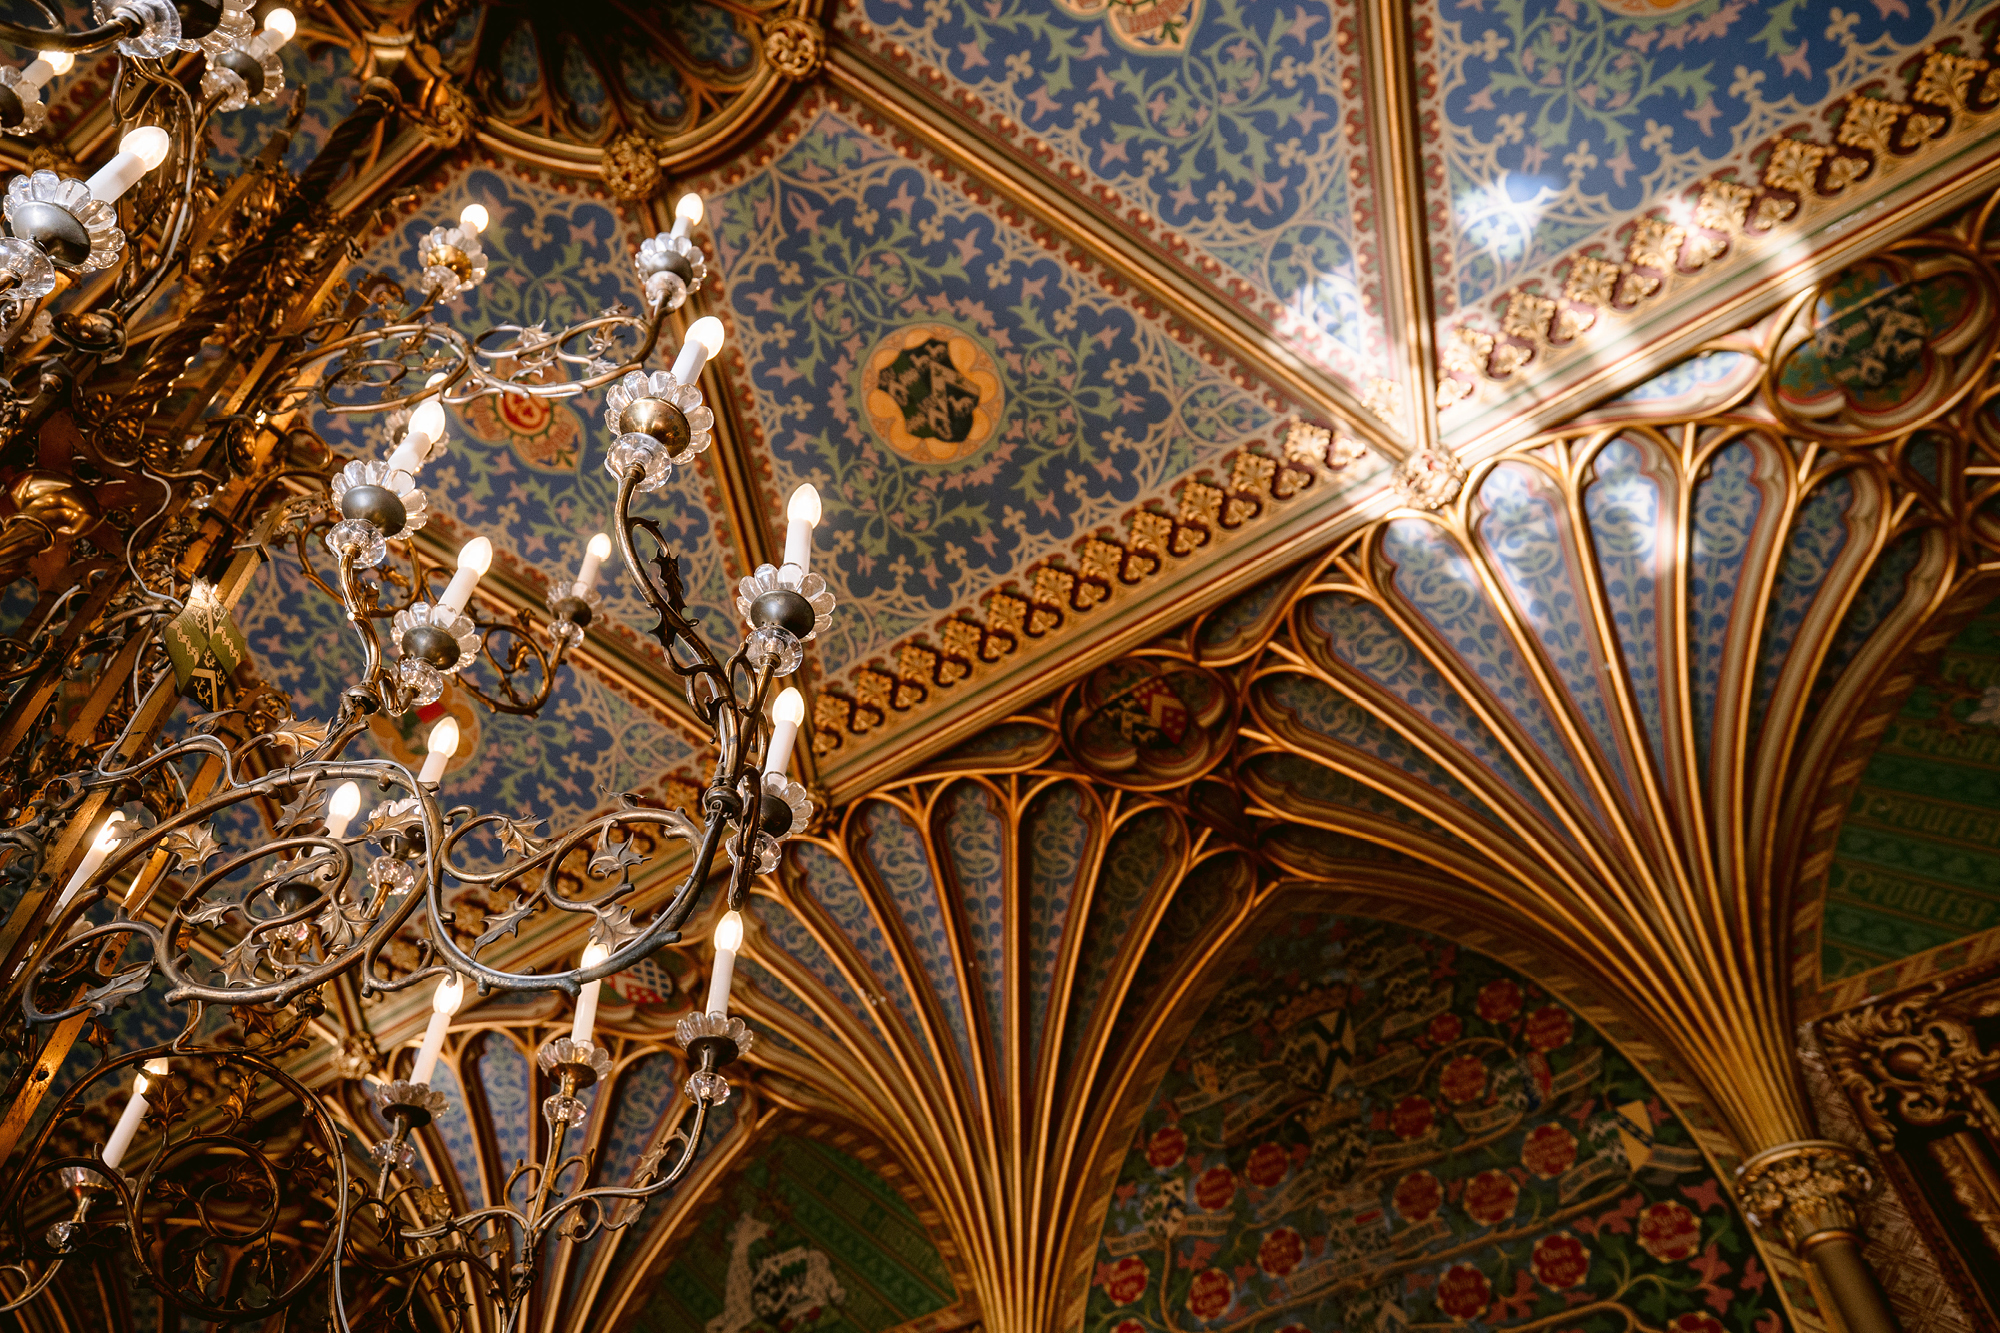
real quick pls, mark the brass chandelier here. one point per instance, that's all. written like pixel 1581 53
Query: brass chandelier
pixel 361 854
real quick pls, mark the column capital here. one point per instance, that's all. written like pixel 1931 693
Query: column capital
pixel 1812 1189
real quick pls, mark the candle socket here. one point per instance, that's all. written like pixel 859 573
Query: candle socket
pixel 582 1061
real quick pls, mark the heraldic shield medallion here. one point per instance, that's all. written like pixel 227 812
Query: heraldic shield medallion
pixel 932 393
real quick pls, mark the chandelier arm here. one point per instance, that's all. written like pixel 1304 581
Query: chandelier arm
pixel 386 690
pixel 384 918
pixel 663 930
pixel 688 896
pixel 183 204
pixel 550 663
pixel 669 603
pixel 36 1286
pixel 322 1121
pixel 118 29
pixel 690 1145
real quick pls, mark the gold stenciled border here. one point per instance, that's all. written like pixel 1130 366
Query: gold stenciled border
pixel 1674 246
pixel 1051 598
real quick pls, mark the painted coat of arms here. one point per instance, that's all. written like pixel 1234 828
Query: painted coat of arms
pixel 932 393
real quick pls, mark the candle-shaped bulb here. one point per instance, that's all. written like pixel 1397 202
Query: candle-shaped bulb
pixel 443 745
pixel 148 143
pixel 100 847
pixel 802 515
pixel 704 340
pixel 127 1127
pixel 444 1003
pixel 787 714
pixel 138 153
pixel 45 67
pixel 476 555
pixel 803 507
pixel 728 939
pixel 474 558
pixel 428 417
pixel 586 998
pixel 594 556
pixel 687 214
pixel 420 437
pixel 473 218
pixel 279 27
pixel 341 810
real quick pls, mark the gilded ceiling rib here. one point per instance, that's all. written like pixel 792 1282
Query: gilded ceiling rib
pixel 1402 249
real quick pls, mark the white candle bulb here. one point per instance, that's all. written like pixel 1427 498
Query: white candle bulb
pixel 473 560
pixel 444 1003
pixel 127 1127
pixel 728 939
pixel 594 556
pixel 443 745
pixel 787 713
pixel 100 847
pixel 426 428
pixel 279 25
pixel 473 218
pixel 46 66
pixel 586 999
pixel 341 810
pixel 802 513
pixel 687 214
pixel 138 153
pixel 704 340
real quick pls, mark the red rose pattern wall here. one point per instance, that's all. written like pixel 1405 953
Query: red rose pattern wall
pixel 1374 1129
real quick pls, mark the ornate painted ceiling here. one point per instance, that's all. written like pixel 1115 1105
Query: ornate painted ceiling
pixel 1438 606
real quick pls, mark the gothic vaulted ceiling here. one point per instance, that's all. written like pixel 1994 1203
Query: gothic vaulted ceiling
pixel 1427 606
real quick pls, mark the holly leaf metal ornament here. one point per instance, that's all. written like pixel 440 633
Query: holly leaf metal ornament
pixel 504 923
pixel 518 835
pixel 609 859
pixel 300 734
pixel 192 847
pixel 342 924
pixel 615 929
pixel 304 807
pixel 669 565
pixel 393 818
pixel 208 912
pixel 118 992
pixel 240 962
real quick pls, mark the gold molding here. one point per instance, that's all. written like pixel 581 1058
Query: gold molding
pixel 1409 313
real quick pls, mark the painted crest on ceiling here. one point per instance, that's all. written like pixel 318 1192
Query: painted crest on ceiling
pixel 932 393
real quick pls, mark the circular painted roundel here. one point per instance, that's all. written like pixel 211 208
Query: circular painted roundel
pixel 932 394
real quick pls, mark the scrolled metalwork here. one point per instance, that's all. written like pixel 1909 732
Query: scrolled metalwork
pixel 217 1210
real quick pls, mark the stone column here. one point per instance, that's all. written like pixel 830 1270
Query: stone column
pixel 1812 1191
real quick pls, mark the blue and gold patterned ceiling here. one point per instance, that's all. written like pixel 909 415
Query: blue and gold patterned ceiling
pixel 1397 515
